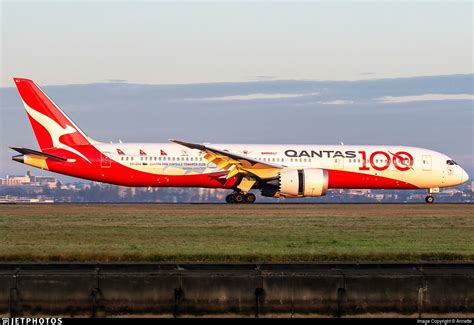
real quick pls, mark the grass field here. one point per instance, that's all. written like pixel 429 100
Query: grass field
pixel 236 233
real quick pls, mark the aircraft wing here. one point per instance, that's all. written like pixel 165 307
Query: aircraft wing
pixel 235 163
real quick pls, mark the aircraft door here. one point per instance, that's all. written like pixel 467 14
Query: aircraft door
pixel 427 163
pixel 105 161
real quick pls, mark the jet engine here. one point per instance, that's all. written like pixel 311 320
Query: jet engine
pixel 294 183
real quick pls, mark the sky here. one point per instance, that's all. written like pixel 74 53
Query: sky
pixel 396 73
pixel 187 42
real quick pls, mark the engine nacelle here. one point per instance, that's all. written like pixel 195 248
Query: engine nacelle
pixel 303 182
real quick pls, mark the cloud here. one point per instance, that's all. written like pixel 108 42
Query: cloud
pixel 265 77
pixel 116 80
pixel 255 96
pixel 424 97
pixel 337 102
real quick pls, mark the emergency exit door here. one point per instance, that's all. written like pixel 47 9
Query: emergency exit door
pixel 427 163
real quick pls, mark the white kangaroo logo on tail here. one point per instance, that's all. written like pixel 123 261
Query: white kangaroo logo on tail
pixel 55 130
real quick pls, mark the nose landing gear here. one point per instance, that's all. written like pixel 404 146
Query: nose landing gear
pixel 430 198
pixel 239 197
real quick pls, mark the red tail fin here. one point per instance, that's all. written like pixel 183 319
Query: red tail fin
pixel 53 129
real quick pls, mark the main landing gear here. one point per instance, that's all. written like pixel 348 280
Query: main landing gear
pixel 239 197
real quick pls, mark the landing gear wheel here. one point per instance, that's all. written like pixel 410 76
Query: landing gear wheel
pixel 239 198
pixel 250 198
pixel 429 199
pixel 229 198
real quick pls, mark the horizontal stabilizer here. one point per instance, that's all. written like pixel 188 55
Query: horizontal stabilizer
pixel 26 151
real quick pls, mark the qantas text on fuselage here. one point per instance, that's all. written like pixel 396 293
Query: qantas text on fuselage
pixel 281 171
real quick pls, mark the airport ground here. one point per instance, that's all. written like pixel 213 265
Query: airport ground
pixel 233 233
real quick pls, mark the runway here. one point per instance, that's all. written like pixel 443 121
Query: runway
pixel 244 289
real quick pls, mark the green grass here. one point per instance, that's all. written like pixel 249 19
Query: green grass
pixel 236 233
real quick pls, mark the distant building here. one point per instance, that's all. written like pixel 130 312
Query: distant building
pixel 356 192
pixel 16 180
pixel 29 179
pixel 21 199
pixel 49 181
pixel 451 191
pixel 122 191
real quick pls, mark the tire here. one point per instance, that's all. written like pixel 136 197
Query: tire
pixel 429 199
pixel 239 198
pixel 229 198
pixel 250 198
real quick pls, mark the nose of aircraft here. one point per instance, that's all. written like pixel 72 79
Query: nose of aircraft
pixel 464 176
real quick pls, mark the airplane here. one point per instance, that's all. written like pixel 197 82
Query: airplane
pixel 277 170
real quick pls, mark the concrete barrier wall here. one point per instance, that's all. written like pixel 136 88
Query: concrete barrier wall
pixel 243 289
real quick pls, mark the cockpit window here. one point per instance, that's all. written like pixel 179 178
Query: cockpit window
pixel 451 162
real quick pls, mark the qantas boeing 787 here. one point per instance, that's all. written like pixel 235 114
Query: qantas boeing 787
pixel 281 171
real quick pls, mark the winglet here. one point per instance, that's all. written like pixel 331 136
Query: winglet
pixel 189 144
